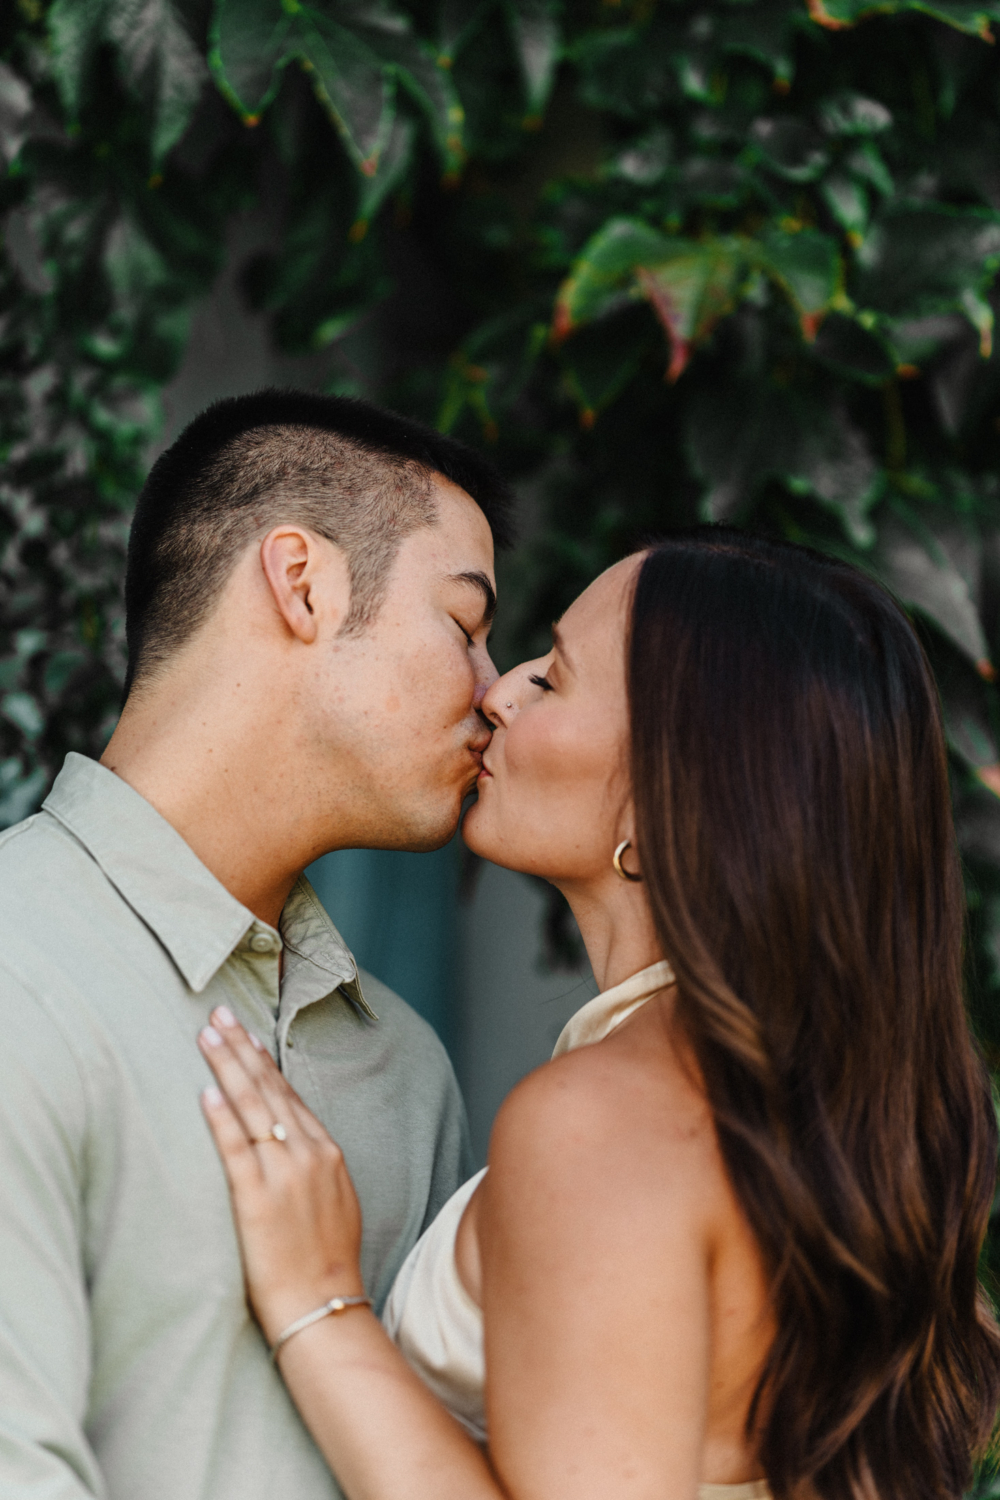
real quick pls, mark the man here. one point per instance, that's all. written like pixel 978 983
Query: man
pixel 310 586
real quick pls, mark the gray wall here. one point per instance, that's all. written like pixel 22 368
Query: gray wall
pixel 509 1009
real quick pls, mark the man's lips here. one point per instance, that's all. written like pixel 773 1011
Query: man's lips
pixel 476 749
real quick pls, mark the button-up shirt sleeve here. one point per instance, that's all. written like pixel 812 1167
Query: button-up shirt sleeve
pixel 44 1324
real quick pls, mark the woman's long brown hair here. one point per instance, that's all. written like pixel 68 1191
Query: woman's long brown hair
pixel 794 831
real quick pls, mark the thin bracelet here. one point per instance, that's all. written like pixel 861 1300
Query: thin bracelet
pixel 335 1305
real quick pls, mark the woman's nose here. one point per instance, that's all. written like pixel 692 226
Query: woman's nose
pixel 500 699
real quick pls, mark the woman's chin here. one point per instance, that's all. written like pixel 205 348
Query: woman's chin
pixel 475 831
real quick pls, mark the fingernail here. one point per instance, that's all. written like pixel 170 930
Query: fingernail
pixel 224 1015
pixel 255 1041
pixel 211 1037
pixel 212 1096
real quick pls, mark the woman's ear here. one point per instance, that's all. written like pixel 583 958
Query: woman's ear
pixel 625 824
pixel 308 578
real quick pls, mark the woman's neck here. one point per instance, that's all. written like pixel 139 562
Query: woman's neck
pixel 617 928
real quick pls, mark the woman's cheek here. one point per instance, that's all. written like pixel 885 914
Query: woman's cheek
pixel 535 751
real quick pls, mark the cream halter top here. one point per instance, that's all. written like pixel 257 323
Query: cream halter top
pixel 430 1315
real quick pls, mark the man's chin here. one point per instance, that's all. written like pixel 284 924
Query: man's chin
pixel 423 836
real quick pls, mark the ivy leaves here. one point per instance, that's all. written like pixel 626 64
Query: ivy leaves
pixel 974 19
pixel 357 57
pixel 692 284
pixel 701 259
pixel 158 60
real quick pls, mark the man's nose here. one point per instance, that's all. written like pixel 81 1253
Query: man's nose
pixel 486 676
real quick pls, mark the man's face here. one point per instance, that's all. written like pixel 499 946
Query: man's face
pixel 395 707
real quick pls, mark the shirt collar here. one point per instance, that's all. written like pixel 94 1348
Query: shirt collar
pixel 315 952
pixel 165 883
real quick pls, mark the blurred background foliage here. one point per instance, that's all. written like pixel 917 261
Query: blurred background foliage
pixel 667 260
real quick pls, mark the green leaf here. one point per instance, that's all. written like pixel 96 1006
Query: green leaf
pixel 847 346
pixel 977 827
pixel 751 432
pixel 691 291
pixel 602 358
pixel 354 63
pixel 833 463
pixel 250 41
pixel 160 64
pixel 428 83
pixel 20 794
pixel 15 109
pixel 76 30
pixel 459 21
pixel 923 572
pixel 690 284
pixel 60 669
pixel 157 59
pixel 646 160
pixel 763 30
pixel 790 147
pixel 134 267
pixel 929 258
pixel 808 266
pixel 867 164
pixel 967 721
pixel 974 19
pixel 604 269
pixel 393 162
pixel 349 79
pixel 625 71
pixel 848 202
pixel 847 113
pixel 535 29
pixel 22 710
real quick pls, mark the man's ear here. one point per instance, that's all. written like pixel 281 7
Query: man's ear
pixel 308 578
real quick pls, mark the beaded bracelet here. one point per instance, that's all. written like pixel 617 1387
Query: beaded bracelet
pixel 335 1305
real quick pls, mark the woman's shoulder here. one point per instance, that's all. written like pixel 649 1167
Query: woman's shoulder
pixel 614 1122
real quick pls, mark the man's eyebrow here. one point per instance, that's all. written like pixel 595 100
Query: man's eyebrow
pixel 480 581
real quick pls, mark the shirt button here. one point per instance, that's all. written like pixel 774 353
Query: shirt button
pixel 261 943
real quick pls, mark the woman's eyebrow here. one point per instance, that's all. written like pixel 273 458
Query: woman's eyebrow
pixel 560 645
pixel 479 581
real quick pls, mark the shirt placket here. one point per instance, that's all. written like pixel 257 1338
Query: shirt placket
pixel 260 955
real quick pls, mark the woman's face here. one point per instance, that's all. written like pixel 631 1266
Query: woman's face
pixel 553 797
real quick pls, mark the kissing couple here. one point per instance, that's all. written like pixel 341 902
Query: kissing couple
pixel 726 1244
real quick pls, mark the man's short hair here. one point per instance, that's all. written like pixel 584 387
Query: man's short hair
pixel 353 473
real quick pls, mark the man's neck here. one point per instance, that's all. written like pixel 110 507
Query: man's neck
pixel 221 779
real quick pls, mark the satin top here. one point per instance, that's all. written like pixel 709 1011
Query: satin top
pixel 431 1317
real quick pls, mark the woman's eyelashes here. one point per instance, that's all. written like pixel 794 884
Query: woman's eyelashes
pixel 542 682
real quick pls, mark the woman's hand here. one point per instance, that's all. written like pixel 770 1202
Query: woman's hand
pixel 294 1203
pixel 381 1431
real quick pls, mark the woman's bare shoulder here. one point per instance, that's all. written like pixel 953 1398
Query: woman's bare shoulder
pixel 607 1121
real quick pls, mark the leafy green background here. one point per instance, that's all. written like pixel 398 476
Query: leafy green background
pixel 667 261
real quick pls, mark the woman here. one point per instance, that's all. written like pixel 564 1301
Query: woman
pixel 728 1238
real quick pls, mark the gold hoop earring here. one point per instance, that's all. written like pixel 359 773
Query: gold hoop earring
pixel 616 860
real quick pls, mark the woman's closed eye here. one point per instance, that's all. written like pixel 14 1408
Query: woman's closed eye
pixel 543 683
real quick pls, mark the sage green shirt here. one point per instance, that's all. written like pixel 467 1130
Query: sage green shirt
pixel 129 1365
